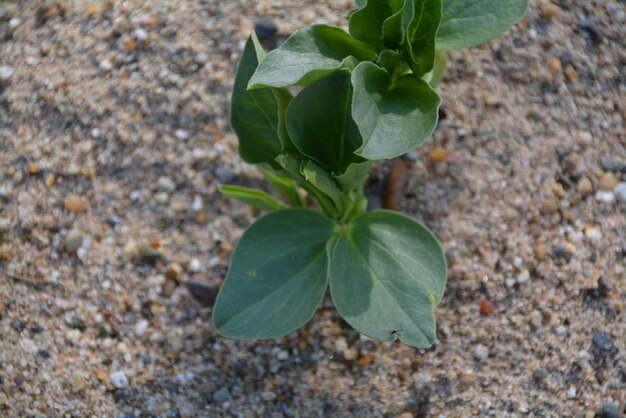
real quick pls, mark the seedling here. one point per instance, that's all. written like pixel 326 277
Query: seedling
pixel 366 95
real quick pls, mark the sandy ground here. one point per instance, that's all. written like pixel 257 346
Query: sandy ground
pixel 114 137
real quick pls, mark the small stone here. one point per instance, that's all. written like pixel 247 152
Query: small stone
pixel 140 34
pixel 201 59
pixel 593 234
pixel 620 191
pixel 524 276
pixel 570 73
pixel 194 265
pixel 148 254
pixel 33 168
pixel 106 66
pixel 540 251
pixel 558 190
pixel 268 396
pixel 119 380
pixel 78 384
pixel 550 205
pixel 73 241
pixel 491 100
pixel 571 392
pixel 438 154
pixel 365 360
pixel 574 165
pixel 181 134
pixel 539 375
pixel 265 29
pixel 5 72
pixel 406 415
pixel 141 327
pixel 168 287
pixel 536 319
pixel 224 174
pixel 584 186
pixel 4 225
pixel 221 395
pixel 608 181
pixel 611 410
pixel 165 184
pixel 555 64
pixel 201 291
pixel 550 11
pixel 602 342
pixel 350 354
pixel 605 197
pixel 43 353
pixel 50 180
pixel 486 307
pixel 605 286
pixel 481 352
pixel 162 198
pixel 174 271
pixel 74 203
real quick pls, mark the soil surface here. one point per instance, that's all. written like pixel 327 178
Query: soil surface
pixel 114 137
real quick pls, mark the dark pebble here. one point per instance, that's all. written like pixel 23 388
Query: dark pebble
pixel 615 166
pixel 35 329
pixel 44 353
pixel 265 29
pixel 602 342
pixel 605 286
pixel 611 410
pixel 224 174
pixel 17 325
pixel 201 291
pixel 590 31
pixel 539 375
pixel 560 252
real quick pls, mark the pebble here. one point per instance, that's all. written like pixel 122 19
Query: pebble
pixel 282 355
pixel 4 225
pixel 611 410
pixel 268 396
pixel 602 342
pixel 608 181
pixel 165 184
pixel 78 384
pixel 481 352
pixel 438 154
pixel 550 205
pixel 106 66
pixel 221 395
pixel 571 392
pixel 141 327
pixel 140 34
pixel 584 186
pixel 5 72
pixel 620 191
pixel 524 276
pixel 593 234
pixel 406 415
pixel 605 197
pixel 73 241
pixel 162 198
pixel 119 380
pixel 574 165
pixel 194 265
pixel 174 271
pixel 486 307
pixel 550 11
pixel 265 29
pixel 536 319
pixel 350 354
pixel 224 174
pixel 74 203
pixel 181 134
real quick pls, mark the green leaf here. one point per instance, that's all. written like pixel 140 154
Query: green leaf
pixel 421 20
pixel 283 97
pixel 354 176
pixel 277 276
pixel 308 55
pixel 254 114
pixel 392 118
pixel 366 24
pixel 393 31
pixel 439 69
pixel 467 23
pixel 285 186
pixel 387 274
pixel 253 197
pixel 320 123
pixel 322 181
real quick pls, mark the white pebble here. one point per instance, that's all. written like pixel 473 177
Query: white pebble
pixel 181 134
pixel 119 380
pixel 282 355
pixel 571 392
pixel 620 191
pixel 106 66
pixel 140 34
pixel 197 203
pixel 141 327
pixel 195 265
pixel 14 22
pixel 593 234
pixel 5 72
pixel 605 197
pixel 481 352
pixel 523 277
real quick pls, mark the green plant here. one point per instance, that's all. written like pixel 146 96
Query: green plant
pixel 367 95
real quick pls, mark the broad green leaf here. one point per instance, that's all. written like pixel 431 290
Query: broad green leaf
pixel 392 118
pixel 390 60
pixel 283 97
pixel 421 20
pixel 354 176
pixel 387 274
pixel 277 277
pixel 308 55
pixel 393 32
pixel 254 114
pixel 467 23
pixel 322 181
pixel 320 123
pixel 253 197
pixel 285 186
pixel 366 24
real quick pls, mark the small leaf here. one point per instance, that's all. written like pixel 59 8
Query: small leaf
pixel 285 186
pixel 387 274
pixel 283 97
pixel 392 118
pixel 320 124
pixel 439 69
pixel 277 276
pixel 393 32
pixel 354 176
pixel 308 55
pixel 253 197
pixel 366 24
pixel 421 20
pixel 254 114
pixel 322 181
pixel 467 23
